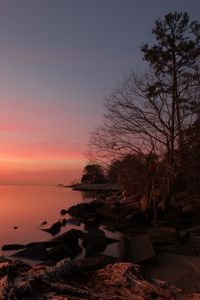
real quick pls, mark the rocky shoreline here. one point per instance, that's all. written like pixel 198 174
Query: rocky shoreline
pixel 66 280
pixel 82 253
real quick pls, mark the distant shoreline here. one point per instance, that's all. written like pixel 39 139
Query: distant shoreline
pixel 94 187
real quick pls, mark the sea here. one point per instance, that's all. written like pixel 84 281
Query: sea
pixel 24 208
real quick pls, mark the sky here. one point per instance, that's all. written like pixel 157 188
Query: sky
pixel 58 60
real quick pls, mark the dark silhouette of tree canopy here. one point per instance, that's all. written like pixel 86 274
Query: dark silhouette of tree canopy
pixel 113 171
pixel 175 63
pixel 149 114
pixel 93 173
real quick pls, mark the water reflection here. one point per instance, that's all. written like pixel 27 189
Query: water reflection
pixel 26 207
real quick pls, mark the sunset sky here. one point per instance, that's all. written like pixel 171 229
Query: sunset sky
pixel 58 60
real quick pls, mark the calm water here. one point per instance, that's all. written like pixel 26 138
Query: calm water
pixel 27 207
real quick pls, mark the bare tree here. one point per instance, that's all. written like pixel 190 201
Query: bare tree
pixel 174 60
pixel 149 113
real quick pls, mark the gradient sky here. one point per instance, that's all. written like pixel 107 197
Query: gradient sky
pixel 58 59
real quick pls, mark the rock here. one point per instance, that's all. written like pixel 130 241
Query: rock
pixel 94 242
pixel 128 281
pixel 38 282
pixel 91 223
pixel 124 281
pixel 63 222
pixel 94 263
pixel 71 240
pixel 15 227
pixel 63 212
pixel 137 248
pixel 74 221
pixel 104 212
pixel 125 211
pixel 84 209
pixel 35 252
pixel 60 252
pixel 70 237
pixel 54 229
pixel 45 244
pixel 7 267
pixel 44 223
pixel 12 247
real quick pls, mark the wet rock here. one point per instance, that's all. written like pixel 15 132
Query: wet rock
pixel 91 223
pixel 45 244
pixel 12 247
pixel 44 223
pixel 63 222
pixel 126 211
pixel 12 269
pixel 71 240
pixel 35 252
pixel 84 209
pixel 137 248
pixel 70 237
pixel 63 212
pixel 74 221
pixel 37 282
pixel 104 212
pixel 128 281
pixel 59 252
pixel 94 242
pixel 63 281
pixel 62 251
pixel 54 229
pixel 94 263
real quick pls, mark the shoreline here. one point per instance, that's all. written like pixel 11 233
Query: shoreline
pixel 115 213
pixel 110 187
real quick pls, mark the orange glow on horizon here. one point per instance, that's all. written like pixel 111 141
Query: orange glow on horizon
pixel 36 170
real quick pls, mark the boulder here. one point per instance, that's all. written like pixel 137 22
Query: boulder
pixel 62 251
pixel 71 238
pixel 84 209
pixel 63 222
pixel 57 253
pixel 12 247
pixel 105 213
pixel 63 212
pixel 74 221
pixel 54 229
pixel 91 223
pixel 35 252
pixel 95 263
pixel 94 242
pixel 137 248
pixel 66 281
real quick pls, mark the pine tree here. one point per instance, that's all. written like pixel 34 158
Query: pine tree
pixel 174 60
